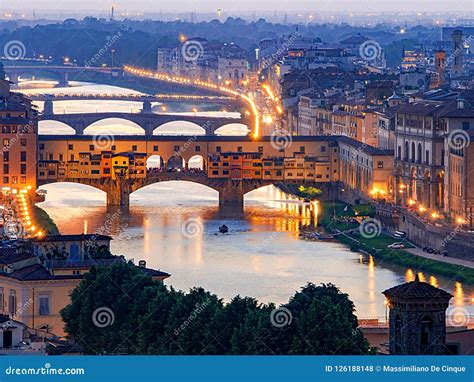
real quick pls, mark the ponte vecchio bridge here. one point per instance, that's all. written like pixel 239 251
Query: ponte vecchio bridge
pixel 83 159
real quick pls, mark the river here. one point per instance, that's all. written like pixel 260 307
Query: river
pixel 261 256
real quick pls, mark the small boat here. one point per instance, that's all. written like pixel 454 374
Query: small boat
pixel 223 229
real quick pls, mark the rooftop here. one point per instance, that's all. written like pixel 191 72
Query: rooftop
pixel 416 290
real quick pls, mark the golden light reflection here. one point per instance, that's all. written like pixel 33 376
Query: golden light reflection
pixel 421 277
pixel 458 294
pixel 409 275
pixel 434 281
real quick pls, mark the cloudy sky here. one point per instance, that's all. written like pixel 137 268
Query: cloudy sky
pixel 232 6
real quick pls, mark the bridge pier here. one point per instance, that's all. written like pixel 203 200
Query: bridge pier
pixel 118 194
pixel 64 81
pixel 146 107
pixel 48 108
pixel 231 194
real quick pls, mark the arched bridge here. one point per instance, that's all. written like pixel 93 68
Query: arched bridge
pixel 231 192
pixel 62 72
pixel 147 121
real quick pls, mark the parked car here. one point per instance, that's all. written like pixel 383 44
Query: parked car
pixel 396 246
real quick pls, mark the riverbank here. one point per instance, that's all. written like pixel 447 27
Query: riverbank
pixel 339 216
pixel 44 221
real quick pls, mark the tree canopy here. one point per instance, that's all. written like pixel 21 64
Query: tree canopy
pixel 121 310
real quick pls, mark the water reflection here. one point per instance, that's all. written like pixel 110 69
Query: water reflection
pixel 261 256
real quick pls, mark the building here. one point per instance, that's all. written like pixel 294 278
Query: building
pixel 36 280
pixel 11 332
pixel 417 319
pixel 18 134
pixel 233 71
pixel 458 53
pixel 459 165
pixel 365 171
pixel 419 155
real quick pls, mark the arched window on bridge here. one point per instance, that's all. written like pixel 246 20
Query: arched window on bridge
pixel 175 163
pixel 154 163
pixel 196 163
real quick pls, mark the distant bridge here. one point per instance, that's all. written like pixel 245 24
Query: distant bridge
pixel 148 121
pixel 128 97
pixel 62 72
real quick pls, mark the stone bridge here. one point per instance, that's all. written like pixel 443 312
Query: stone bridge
pixel 148 121
pixel 231 192
pixel 61 72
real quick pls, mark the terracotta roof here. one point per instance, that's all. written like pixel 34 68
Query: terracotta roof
pixel 10 256
pixel 36 272
pixel 416 290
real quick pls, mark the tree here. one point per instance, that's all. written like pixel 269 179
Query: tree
pixel 146 317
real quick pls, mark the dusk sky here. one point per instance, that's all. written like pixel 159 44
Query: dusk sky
pixel 243 5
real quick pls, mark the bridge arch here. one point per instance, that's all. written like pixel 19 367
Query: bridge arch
pixel 74 193
pixel 172 182
pixel 197 162
pixel 238 129
pixel 115 126
pixel 52 127
pixel 154 162
pixel 179 128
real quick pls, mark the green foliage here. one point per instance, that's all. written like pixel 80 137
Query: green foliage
pixel 44 221
pixel 150 318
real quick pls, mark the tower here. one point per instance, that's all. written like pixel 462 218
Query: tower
pixel 440 66
pixel 458 52
pixel 417 319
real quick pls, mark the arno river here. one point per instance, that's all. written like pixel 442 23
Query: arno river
pixel 261 256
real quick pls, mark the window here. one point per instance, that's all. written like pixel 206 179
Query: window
pixel 465 125
pixel 23 143
pixel 1 300
pixel 176 148
pixel 218 149
pixel 197 149
pixel 6 156
pixel 260 149
pixel 106 170
pixel 23 169
pixel 155 148
pixel 134 148
pixel 323 149
pixel 12 302
pixel 41 145
pixel 302 150
pixel 91 147
pixel 23 156
pixel 70 146
pixel 43 305
pixel 6 179
pixel 23 179
pixel 380 164
pixel 113 148
pixel 239 149
pixel 6 169
pixel 6 142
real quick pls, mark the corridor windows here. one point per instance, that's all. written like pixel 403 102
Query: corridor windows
pixel 12 302
pixel 44 305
